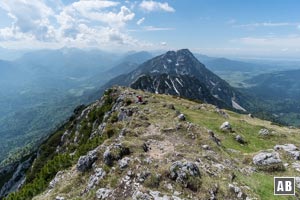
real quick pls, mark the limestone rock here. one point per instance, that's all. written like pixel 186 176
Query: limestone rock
pixel 240 139
pixel 56 179
pixel 291 149
pixel 138 195
pixel 237 191
pixel 115 152
pixel 226 126
pixel 123 163
pixel 95 178
pixel 85 162
pixel 181 117
pixel 265 158
pixel 103 193
pixel 264 132
pixel 183 171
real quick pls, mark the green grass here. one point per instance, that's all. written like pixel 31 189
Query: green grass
pixel 262 184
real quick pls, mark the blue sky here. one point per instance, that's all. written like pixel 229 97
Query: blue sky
pixel 256 28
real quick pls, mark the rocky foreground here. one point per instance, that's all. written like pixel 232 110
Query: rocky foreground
pixel 167 148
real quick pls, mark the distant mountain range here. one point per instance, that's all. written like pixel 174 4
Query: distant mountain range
pixel 47 83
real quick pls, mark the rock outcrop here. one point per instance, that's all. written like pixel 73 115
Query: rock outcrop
pixel 85 162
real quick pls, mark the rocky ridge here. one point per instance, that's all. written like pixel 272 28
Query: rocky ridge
pixel 167 148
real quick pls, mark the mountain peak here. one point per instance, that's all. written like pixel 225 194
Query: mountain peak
pixel 180 73
pixel 180 52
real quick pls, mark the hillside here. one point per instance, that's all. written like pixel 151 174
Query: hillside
pixel 278 93
pixel 165 148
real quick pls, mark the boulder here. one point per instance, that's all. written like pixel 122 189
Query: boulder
pixel 286 147
pixel 181 117
pixel 186 173
pixel 226 126
pixel 115 152
pixel 123 163
pixel 206 147
pixel 264 132
pixel 291 149
pixel 240 139
pixel 265 158
pixel 103 193
pixel 85 162
pixel 237 191
pixel 59 198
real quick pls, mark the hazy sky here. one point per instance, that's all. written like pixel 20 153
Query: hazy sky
pixel 266 28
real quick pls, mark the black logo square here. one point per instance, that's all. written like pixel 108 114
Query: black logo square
pixel 284 185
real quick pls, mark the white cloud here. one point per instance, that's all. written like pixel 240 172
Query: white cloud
pixel 83 23
pixel 153 28
pixel 267 24
pixel 29 17
pixel 151 6
pixel 279 42
pixel 163 44
pixel 140 21
pixel 96 11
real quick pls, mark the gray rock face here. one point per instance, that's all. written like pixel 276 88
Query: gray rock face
pixel 85 162
pixel 181 171
pixel 56 179
pixel 264 132
pixel 103 193
pixel 59 198
pixel 95 178
pixel 18 177
pixel 264 158
pixel 291 149
pixel 226 126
